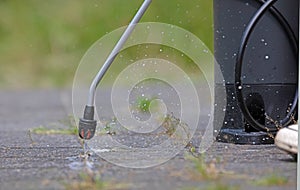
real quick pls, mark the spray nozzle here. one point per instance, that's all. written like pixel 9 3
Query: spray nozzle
pixel 87 124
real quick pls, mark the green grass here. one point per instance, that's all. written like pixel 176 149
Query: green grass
pixel 42 41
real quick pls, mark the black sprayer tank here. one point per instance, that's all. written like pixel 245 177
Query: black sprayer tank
pixel 269 71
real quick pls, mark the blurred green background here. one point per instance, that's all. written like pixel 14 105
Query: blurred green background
pixel 43 41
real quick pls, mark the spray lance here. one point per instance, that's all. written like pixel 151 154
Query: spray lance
pixel 87 124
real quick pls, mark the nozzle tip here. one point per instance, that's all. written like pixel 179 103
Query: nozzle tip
pixel 87 128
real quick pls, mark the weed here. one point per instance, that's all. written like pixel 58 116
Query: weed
pixel 109 128
pixel 86 181
pixel 203 170
pixel 143 104
pixel 46 131
pixel 221 186
pixel 171 124
pixel 30 138
pixel 215 186
pixel 92 181
pixel 56 129
pixel 272 180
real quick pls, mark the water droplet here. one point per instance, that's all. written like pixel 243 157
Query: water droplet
pixel 240 87
pixel 223 36
pixel 161 50
pixel 267 57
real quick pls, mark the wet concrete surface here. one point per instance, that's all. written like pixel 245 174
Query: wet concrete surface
pixel 31 161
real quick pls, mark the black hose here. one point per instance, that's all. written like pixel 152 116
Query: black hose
pixel 293 40
pixel 268 5
pixel 285 24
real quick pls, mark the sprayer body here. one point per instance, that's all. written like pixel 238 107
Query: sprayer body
pixel 270 71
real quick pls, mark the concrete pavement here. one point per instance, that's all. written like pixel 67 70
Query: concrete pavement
pixel 32 161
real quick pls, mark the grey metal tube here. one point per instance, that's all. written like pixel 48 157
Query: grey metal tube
pixel 298 157
pixel 116 50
